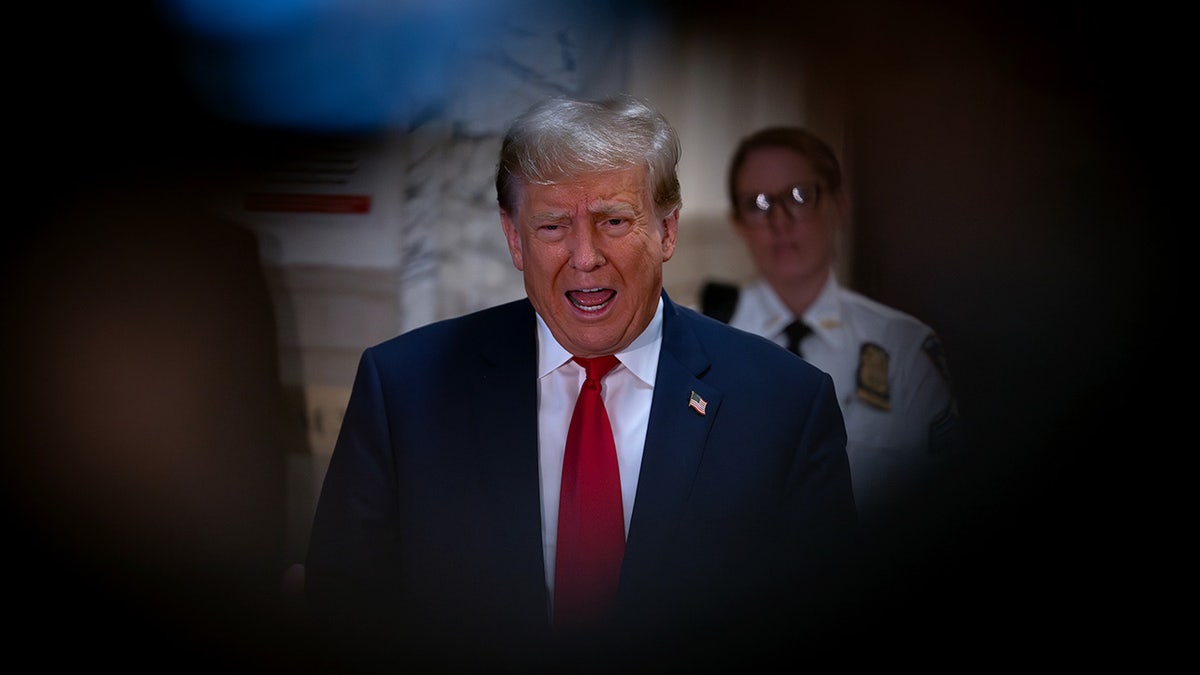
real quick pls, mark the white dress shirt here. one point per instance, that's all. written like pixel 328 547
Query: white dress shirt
pixel 627 391
pixel 889 447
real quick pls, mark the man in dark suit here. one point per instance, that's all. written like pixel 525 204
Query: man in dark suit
pixel 441 530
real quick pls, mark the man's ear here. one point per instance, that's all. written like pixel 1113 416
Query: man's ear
pixel 512 235
pixel 669 227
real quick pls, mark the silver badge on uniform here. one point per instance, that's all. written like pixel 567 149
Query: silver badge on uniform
pixel 873 376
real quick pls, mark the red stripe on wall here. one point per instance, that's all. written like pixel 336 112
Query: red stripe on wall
pixel 307 203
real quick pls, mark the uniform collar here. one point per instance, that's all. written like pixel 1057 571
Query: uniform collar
pixel 824 316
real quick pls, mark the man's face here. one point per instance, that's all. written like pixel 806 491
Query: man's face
pixel 788 246
pixel 592 251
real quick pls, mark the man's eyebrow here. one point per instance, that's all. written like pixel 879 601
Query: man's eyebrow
pixel 613 207
pixel 549 216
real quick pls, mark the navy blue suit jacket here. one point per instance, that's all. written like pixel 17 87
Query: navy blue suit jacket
pixel 428 527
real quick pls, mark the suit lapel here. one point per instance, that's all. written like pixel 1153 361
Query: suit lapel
pixel 504 425
pixel 675 442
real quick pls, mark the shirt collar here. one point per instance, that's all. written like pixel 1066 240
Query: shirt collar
pixel 825 313
pixel 822 316
pixel 640 357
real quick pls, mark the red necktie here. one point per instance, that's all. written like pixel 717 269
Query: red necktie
pixel 591 521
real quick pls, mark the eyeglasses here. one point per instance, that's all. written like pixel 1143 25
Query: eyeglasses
pixel 799 202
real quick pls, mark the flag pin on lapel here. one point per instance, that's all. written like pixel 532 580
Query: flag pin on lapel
pixel 697 403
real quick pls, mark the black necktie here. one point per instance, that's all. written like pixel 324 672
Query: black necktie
pixel 796 331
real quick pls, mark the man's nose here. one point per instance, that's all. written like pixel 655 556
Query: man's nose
pixel 585 252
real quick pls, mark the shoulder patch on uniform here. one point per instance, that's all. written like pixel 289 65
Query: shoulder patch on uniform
pixel 933 349
pixel 872 385
pixel 945 432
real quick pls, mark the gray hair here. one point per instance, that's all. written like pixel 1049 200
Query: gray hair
pixel 560 138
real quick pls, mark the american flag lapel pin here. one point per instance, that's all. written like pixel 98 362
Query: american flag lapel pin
pixel 697 403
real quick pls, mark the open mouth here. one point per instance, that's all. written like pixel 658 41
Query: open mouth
pixel 591 299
